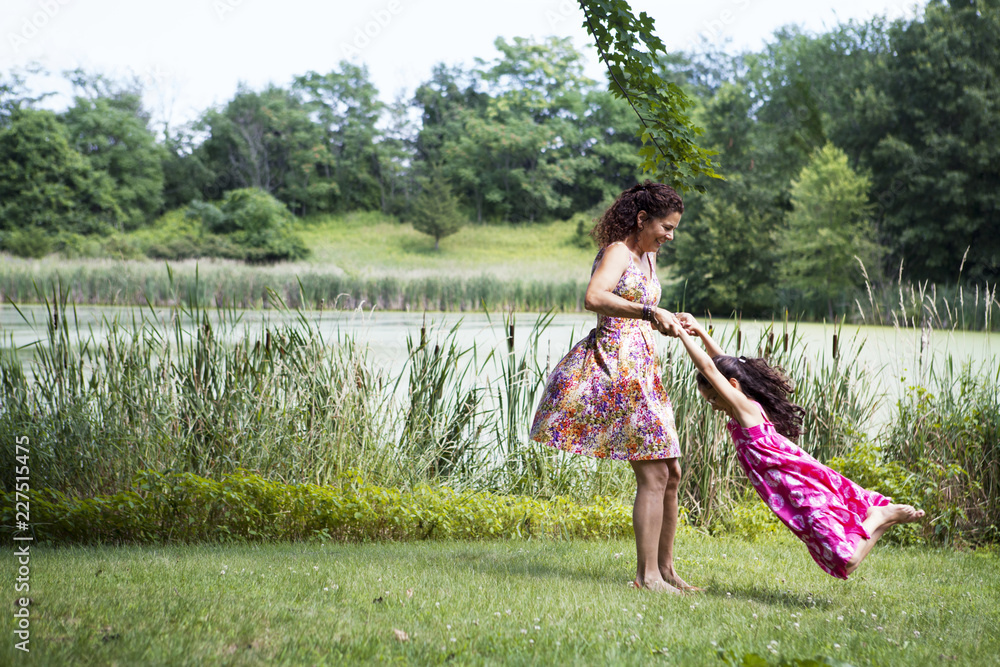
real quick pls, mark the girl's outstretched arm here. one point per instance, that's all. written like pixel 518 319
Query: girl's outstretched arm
pixel 744 410
pixel 692 326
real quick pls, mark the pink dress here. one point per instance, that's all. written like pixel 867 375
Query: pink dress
pixel 605 397
pixel 822 507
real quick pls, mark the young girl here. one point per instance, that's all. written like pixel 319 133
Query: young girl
pixel 838 520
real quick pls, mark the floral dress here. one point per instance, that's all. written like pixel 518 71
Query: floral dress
pixel 822 507
pixel 605 397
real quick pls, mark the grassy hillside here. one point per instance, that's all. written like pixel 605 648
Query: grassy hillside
pixel 369 245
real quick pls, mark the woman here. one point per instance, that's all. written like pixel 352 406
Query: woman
pixel 605 398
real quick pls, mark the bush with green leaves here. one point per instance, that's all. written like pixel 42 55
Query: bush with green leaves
pixel 951 430
pixel 26 242
pixel 248 224
pixel 924 484
pixel 183 507
pixel 254 221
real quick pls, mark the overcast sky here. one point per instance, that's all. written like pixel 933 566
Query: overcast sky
pixel 193 53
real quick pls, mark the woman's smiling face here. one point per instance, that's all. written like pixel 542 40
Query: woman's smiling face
pixel 657 231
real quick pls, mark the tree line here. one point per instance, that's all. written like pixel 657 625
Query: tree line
pixel 871 145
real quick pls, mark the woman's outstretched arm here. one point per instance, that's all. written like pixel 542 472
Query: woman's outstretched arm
pixel 601 299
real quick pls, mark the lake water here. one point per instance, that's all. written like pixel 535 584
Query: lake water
pixel 889 353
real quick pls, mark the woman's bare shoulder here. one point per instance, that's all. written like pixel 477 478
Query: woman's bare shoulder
pixel 612 259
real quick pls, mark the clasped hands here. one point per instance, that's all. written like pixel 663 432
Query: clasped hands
pixel 671 324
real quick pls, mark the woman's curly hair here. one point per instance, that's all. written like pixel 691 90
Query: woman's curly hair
pixel 766 384
pixel 656 199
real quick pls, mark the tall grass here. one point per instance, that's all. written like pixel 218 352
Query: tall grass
pixel 953 424
pixel 926 305
pixel 228 284
pixel 210 393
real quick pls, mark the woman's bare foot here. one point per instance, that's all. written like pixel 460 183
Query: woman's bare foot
pixel 675 580
pixel 657 586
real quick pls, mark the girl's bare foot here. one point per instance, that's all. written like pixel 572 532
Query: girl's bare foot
pixel 890 515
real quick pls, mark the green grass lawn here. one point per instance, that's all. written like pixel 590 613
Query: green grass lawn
pixel 366 244
pixel 510 603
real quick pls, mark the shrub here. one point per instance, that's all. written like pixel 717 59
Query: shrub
pixel 183 507
pixel 923 484
pixel 27 242
pixel 581 236
pixel 948 429
pixel 260 224
pixel 249 225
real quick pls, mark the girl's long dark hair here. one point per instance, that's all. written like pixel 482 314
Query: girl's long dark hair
pixel 766 384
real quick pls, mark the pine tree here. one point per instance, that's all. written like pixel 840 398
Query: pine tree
pixel 435 211
pixel 829 227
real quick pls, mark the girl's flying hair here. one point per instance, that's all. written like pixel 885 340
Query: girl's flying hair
pixel 765 384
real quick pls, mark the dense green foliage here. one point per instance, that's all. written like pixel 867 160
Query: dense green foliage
pixel 829 232
pixel 45 185
pixel 931 140
pixel 633 53
pixel 108 126
pixel 183 507
pixel 908 106
pixel 248 224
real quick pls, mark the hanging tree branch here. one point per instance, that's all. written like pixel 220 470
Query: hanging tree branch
pixel 669 152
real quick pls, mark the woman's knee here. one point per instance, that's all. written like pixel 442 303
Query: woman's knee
pixel 674 473
pixel 652 475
